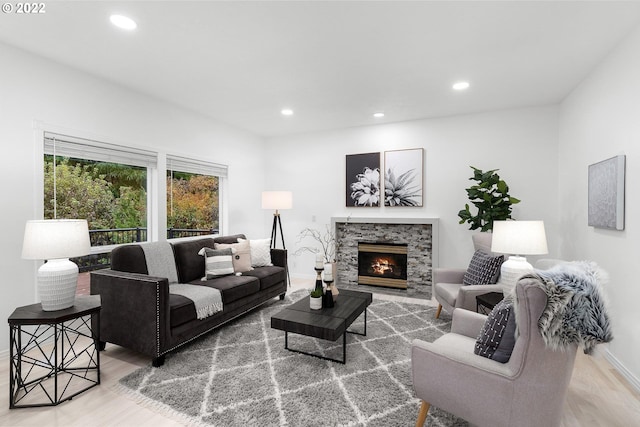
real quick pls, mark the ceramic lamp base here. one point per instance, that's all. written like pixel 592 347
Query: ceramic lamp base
pixel 57 283
pixel 511 270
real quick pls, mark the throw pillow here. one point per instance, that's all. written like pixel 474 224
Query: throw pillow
pixel 483 269
pixel 498 335
pixel 241 255
pixel 260 252
pixel 217 262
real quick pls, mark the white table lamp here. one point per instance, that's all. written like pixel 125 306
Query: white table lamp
pixel 56 240
pixel 518 238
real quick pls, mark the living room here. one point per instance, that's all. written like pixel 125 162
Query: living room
pixel 542 150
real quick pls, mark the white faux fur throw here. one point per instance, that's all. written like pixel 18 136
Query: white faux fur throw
pixel 576 310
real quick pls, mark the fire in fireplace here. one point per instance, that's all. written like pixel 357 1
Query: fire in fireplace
pixel 382 264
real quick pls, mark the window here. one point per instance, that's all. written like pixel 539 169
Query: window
pixel 103 183
pixel 110 186
pixel 193 197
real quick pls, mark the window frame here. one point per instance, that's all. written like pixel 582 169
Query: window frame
pixel 180 163
pixel 61 144
pixel 156 181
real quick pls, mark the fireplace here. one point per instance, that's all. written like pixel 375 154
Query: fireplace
pixel 382 264
pixel 420 235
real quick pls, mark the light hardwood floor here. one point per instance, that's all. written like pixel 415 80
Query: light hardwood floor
pixel 598 396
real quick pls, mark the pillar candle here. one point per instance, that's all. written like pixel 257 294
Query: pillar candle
pixel 319 261
pixel 328 273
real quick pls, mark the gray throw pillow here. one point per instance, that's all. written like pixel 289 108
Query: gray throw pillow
pixel 484 269
pixel 498 335
pixel 217 262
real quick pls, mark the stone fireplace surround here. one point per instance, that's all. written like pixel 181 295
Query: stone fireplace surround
pixel 420 235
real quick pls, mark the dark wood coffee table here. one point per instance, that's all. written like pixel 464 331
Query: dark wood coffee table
pixel 326 323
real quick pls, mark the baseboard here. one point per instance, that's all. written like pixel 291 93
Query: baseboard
pixel 635 383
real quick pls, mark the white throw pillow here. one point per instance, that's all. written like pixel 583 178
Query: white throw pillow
pixel 260 252
pixel 241 255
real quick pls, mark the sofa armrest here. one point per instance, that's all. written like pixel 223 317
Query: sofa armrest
pixel 467 295
pixel 448 275
pixel 135 310
pixel 279 257
pixel 467 323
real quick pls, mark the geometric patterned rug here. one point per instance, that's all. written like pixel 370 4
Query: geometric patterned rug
pixel 241 375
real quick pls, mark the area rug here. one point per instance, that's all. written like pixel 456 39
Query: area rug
pixel 241 375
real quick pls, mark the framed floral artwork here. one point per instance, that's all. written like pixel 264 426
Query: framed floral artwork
pixel 403 177
pixel 363 180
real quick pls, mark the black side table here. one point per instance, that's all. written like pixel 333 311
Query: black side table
pixel 486 302
pixel 54 354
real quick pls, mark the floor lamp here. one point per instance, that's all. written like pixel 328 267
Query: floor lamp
pixel 277 200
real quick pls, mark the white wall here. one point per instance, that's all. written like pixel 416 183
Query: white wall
pixel 521 143
pixel 33 88
pixel 600 120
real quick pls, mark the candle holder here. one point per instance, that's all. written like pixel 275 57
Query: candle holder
pixel 327 300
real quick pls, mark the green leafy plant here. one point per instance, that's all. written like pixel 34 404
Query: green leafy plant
pixel 316 293
pixel 491 198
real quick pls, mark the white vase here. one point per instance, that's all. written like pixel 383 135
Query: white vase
pixel 315 303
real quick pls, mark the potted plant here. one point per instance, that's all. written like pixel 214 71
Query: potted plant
pixel 315 299
pixel 491 198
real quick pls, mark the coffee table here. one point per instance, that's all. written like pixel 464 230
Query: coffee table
pixel 326 323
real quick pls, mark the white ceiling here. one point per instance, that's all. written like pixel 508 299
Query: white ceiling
pixel 333 63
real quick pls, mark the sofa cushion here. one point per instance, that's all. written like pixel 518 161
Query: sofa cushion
pixel 181 310
pixel 241 255
pixel 232 287
pixel 217 262
pixel 268 276
pixel 229 239
pixel 129 258
pixel 189 264
pixel 497 337
pixel 483 269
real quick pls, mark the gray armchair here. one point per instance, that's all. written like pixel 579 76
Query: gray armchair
pixel 528 390
pixel 448 289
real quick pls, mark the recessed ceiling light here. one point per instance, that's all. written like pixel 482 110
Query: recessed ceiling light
pixel 123 22
pixel 378 115
pixel 287 112
pixel 461 85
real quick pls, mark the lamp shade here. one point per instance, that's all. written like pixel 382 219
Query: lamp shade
pixel 56 239
pixel 277 200
pixel 519 238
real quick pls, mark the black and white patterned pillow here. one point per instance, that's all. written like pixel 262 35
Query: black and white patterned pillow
pixel 498 335
pixel 484 269
pixel 217 262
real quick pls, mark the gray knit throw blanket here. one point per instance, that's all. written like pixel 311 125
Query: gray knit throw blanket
pixel 576 310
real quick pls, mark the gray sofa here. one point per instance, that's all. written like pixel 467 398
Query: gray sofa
pixel 139 313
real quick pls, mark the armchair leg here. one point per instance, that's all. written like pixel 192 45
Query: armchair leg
pixel 439 310
pixel 422 415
